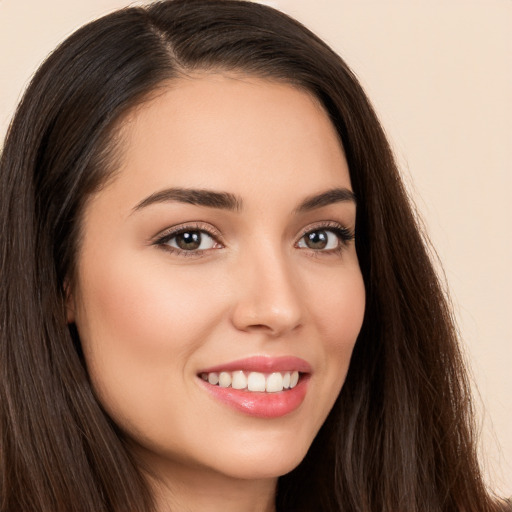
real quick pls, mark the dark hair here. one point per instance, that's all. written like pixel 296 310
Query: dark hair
pixel 399 437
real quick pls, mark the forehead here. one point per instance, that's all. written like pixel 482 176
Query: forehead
pixel 230 131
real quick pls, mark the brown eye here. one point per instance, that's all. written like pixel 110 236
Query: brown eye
pixel 191 241
pixel 316 240
pixel 320 240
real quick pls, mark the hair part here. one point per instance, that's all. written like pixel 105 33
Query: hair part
pixel 399 437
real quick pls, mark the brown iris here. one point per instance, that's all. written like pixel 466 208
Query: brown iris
pixel 189 240
pixel 316 239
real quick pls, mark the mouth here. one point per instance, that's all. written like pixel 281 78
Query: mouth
pixel 274 382
pixel 259 386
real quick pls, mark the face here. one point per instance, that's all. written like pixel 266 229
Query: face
pixel 218 293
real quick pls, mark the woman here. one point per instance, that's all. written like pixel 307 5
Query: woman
pixel 202 226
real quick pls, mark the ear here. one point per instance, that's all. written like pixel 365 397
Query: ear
pixel 70 303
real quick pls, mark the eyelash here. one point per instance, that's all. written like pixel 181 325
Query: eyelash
pixel 163 239
pixel 344 235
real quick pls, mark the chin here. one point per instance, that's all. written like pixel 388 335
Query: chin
pixel 264 463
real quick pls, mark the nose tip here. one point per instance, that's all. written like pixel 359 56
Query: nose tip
pixel 267 301
pixel 274 321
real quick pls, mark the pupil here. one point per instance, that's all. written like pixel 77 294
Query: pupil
pixel 317 240
pixel 188 240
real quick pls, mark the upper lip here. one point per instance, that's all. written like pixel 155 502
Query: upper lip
pixel 263 364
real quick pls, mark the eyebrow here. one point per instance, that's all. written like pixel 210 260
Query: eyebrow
pixel 231 202
pixel 335 195
pixel 199 197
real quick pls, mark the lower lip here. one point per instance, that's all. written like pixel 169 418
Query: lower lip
pixel 260 404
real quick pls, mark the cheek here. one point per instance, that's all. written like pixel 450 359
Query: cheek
pixel 148 310
pixel 338 309
pixel 339 312
pixel 336 305
pixel 139 329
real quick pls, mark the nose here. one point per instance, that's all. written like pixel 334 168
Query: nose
pixel 268 298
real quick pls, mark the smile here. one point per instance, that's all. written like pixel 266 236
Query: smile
pixel 263 387
pixel 253 381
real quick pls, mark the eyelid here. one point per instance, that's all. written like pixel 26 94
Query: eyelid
pixel 168 233
pixel 344 234
pixel 326 225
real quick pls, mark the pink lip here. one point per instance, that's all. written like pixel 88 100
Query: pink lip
pixel 263 364
pixel 262 405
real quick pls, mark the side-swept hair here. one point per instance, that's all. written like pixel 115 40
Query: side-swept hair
pixel 399 438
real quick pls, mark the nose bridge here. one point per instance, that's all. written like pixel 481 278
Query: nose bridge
pixel 267 297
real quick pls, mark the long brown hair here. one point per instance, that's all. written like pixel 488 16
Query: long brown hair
pixel 400 436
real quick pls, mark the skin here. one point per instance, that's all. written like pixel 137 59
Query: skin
pixel 151 318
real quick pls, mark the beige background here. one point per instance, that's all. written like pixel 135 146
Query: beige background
pixel 440 76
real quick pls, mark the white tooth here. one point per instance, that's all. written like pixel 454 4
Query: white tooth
pixel 294 378
pixel 274 383
pixel 204 376
pixel 286 380
pixel 256 381
pixel 239 380
pixel 224 380
pixel 213 378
